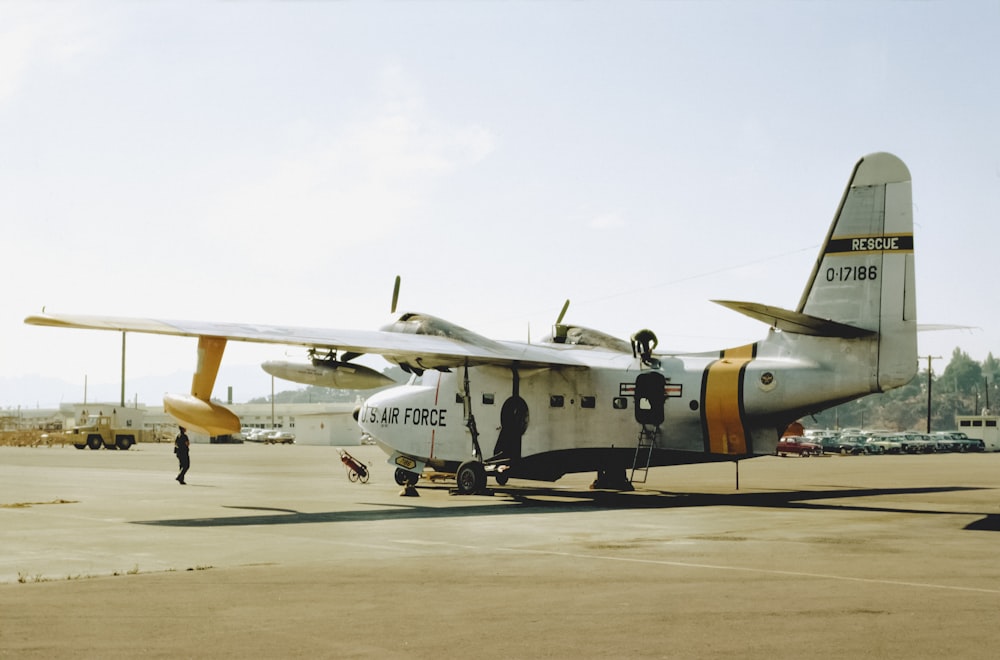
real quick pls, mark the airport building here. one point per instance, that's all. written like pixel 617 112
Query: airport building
pixel 312 423
pixel 981 427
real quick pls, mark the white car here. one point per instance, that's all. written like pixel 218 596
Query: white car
pixel 884 444
pixel 279 437
pixel 255 435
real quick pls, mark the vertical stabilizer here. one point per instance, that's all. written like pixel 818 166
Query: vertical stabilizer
pixel 864 276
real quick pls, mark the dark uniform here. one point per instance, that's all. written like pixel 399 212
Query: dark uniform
pixel 182 449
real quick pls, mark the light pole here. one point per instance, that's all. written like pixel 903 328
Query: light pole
pixel 122 402
pixel 929 358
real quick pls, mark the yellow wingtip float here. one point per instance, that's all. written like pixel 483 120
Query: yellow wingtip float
pixel 196 411
pixel 201 416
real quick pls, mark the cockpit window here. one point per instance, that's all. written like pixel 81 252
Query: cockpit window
pixel 577 335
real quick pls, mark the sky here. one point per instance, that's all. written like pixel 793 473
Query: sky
pixel 283 162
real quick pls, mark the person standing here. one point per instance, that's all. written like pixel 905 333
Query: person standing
pixel 182 449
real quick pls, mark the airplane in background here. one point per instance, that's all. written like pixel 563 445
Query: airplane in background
pixel 582 400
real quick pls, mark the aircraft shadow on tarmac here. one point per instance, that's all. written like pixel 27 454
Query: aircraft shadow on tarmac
pixel 541 500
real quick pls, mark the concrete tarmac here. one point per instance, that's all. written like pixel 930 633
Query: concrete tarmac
pixel 271 552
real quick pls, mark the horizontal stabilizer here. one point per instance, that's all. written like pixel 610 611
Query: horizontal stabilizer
pixel 797 322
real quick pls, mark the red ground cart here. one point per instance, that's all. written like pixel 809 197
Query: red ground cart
pixel 356 470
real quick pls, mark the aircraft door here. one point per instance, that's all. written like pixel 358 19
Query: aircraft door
pixel 650 397
pixel 513 424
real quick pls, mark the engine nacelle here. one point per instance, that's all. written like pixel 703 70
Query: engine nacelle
pixel 328 373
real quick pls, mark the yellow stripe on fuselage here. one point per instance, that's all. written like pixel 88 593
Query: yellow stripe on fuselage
pixel 722 404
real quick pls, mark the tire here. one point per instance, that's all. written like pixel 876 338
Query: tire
pixel 501 478
pixel 95 441
pixel 363 476
pixel 805 453
pixel 124 442
pixel 471 477
pixel 405 477
pixel 352 475
pixel 81 445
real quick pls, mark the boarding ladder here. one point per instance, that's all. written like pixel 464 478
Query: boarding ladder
pixel 648 436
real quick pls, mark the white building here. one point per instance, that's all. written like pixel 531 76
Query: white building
pixel 312 423
pixel 981 427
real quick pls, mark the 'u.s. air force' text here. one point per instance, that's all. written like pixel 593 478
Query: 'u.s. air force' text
pixel 404 416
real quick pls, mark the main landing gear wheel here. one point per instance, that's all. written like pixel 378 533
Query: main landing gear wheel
pixel 471 478
pixel 405 477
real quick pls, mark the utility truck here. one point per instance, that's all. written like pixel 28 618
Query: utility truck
pixel 97 432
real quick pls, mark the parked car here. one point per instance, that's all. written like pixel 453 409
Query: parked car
pixel 255 435
pixel 945 441
pixel 279 438
pixel 961 442
pixel 242 435
pixel 858 442
pixel 840 445
pixel 873 447
pixel 797 445
pixel 918 443
pixel 884 444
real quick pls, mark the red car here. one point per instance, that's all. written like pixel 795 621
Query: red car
pixel 797 445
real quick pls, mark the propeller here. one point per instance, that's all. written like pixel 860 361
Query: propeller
pixel 395 296
pixel 558 330
pixel 563 312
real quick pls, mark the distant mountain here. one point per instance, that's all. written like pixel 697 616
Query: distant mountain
pixel 247 381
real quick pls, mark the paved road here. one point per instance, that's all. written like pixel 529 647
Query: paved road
pixel 271 552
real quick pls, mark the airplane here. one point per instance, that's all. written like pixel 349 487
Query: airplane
pixel 584 401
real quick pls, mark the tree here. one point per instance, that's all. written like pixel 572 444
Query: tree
pixel 991 382
pixel 963 374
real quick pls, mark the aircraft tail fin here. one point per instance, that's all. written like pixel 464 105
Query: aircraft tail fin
pixel 864 275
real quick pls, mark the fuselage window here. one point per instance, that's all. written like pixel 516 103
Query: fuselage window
pixel 620 403
pixel 588 402
pixel 488 399
pixel 556 401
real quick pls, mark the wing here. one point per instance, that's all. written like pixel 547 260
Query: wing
pixel 415 342
pixel 452 346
